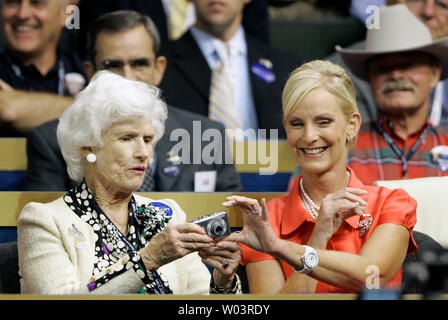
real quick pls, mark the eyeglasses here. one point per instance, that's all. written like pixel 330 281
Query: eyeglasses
pixel 117 65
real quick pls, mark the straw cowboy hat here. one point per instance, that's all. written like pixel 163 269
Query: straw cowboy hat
pixel 399 31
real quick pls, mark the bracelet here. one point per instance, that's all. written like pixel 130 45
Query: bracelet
pixel 234 289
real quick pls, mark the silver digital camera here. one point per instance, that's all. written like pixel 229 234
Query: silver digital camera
pixel 216 225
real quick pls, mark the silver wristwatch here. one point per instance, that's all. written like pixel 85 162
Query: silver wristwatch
pixel 310 260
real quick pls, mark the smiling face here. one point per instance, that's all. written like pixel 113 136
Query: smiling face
pixel 32 26
pixel 402 82
pixel 123 158
pixel 318 130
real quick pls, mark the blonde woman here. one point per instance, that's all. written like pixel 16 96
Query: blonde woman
pixel 331 233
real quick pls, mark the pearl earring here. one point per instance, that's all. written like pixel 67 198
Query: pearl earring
pixel 91 158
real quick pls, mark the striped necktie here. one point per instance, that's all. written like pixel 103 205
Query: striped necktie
pixel 148 183
pixel 222 105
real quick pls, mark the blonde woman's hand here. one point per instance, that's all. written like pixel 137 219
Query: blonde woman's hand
pixel 257 232
pixel 335 208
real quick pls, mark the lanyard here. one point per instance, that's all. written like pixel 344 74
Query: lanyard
pixel 159 286
pixel 61 75
pixel 132 209
pixel 404 159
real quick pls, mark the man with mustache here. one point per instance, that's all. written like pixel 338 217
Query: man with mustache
pixel 434 14
pixel 402 64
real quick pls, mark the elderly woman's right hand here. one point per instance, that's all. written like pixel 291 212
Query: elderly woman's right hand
pixel 174 242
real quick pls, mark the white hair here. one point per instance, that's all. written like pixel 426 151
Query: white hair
pixel 109 98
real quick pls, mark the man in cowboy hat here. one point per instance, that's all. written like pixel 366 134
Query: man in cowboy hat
pixel 402 64
pixel 434 14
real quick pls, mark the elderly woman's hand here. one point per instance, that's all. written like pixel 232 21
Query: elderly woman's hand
pixel 174 242
pixel 257 232
pixel 334 209
pixel 224 257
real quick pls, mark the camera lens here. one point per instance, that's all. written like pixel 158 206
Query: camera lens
pixel 216 228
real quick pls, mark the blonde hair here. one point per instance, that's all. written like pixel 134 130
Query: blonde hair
pixel 319 74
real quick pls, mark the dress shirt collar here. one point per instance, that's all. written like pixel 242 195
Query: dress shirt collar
pixel 207 44
pixel 390 128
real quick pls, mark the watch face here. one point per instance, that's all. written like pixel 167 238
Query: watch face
pixel 311 260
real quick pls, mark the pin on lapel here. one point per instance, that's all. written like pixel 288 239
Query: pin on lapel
pixel 262 70
pixel 173 158
pixel 266 63
pixel 172 170
pixel 74 231
pixel 439 156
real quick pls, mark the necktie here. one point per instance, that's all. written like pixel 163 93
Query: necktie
pixel 436 108
pixel 177 19
pixel 149 183
pixel 222 105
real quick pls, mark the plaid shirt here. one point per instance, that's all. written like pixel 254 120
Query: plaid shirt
pixel 374 159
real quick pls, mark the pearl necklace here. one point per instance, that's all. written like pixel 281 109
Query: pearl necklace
pixel 308 203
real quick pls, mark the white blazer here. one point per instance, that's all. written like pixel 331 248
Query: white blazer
pixel 55 260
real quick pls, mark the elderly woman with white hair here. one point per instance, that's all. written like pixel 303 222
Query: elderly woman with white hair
pixel 101 237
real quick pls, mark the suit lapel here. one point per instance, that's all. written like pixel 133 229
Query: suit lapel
pixel 267 95
pixel 192 65
pixel 165 181
pixel 259 88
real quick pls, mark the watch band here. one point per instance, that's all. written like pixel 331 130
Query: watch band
pixel 310 260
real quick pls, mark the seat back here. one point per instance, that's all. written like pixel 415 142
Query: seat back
pixel 416 275
pixel 9 268
pixel 431 194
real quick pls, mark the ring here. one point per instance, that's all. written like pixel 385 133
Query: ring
pixel 256 212
pixel 225 264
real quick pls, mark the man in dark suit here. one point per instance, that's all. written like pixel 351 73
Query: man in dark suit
pixel 127 43
pixel 260 74
pixel 255 16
